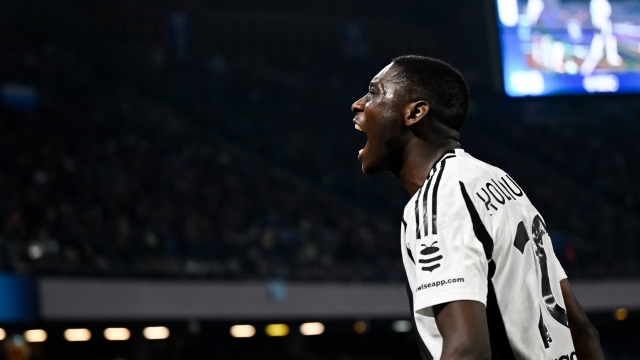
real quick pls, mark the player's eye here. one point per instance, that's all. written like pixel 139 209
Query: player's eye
pixel 371 92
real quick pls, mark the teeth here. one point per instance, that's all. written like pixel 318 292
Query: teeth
pixel 359 128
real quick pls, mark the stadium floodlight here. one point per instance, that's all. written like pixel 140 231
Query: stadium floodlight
pixel 35 335
pixel 117 334
pixel 401 326
pixel 277 330
pixel 3 334
pixel 313 328
pixel 360 327
pixel 621 314
pixel 155 333
pixel 77 334
pixel 242 331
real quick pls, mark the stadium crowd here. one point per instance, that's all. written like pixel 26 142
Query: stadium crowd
pixel 119 175
pixel 132 189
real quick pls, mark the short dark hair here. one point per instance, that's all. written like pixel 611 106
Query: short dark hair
pixel 437 82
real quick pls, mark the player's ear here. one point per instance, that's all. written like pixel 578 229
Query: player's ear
pixel 416 112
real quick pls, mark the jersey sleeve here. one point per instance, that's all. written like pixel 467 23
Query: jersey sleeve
pixel 556 267
pixel 451 263
pixel 559 269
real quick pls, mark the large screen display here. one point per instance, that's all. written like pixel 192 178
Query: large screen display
pixel 554 47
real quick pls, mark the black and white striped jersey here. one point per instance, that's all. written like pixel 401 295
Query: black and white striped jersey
pixel 470 233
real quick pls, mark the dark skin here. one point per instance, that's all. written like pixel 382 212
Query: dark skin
pixel 399 140
pixel 405 139
pixel 585 337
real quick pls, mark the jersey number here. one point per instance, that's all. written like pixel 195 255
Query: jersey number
pixel 554 309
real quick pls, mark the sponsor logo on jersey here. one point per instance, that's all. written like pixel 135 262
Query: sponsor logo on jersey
pixel 439 283
pixel 432 261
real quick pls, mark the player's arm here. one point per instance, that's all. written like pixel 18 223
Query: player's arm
pixel 454 278
pixel 586 340
pixel 464 330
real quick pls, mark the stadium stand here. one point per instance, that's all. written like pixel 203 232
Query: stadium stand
pixel 123 185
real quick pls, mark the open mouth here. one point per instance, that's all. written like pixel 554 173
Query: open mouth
pixel 360 128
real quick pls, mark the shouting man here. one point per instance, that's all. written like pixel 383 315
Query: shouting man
pixel 484 282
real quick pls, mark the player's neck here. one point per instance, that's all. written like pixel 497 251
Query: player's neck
pixel 418 159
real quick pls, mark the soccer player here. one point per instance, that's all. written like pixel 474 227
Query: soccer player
pixel 484 282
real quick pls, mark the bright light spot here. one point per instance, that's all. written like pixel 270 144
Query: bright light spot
pixel 35 251
pixel 3 334
pixel 534 9
pixel 574 29
pixel 360 327
pixel 314 328
pixel 508 12
pixel 528 82
pixel 402 326
pixel 277 330
pixel 601 83
pixel 77 334
pixel 242 331
pixel 557 56
pixel 571 67
pixel 117 334
pixel 37 335
pixel 155 332
pixel 627 29
pixel 621 314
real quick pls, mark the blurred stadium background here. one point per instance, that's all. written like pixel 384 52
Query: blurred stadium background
pixel 172 169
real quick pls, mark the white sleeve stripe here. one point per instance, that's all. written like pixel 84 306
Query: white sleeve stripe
pixel 437 169
pixel 418 215
pixel 434 206
pixel 425 223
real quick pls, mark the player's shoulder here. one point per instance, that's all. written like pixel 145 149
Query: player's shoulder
pixel 455 167
pixel 462 167
pixel 486 185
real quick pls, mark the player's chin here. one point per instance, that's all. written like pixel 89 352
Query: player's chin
pixel 372 167
pixel 367 170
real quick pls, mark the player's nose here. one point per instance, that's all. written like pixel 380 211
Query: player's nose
pixel 358 106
